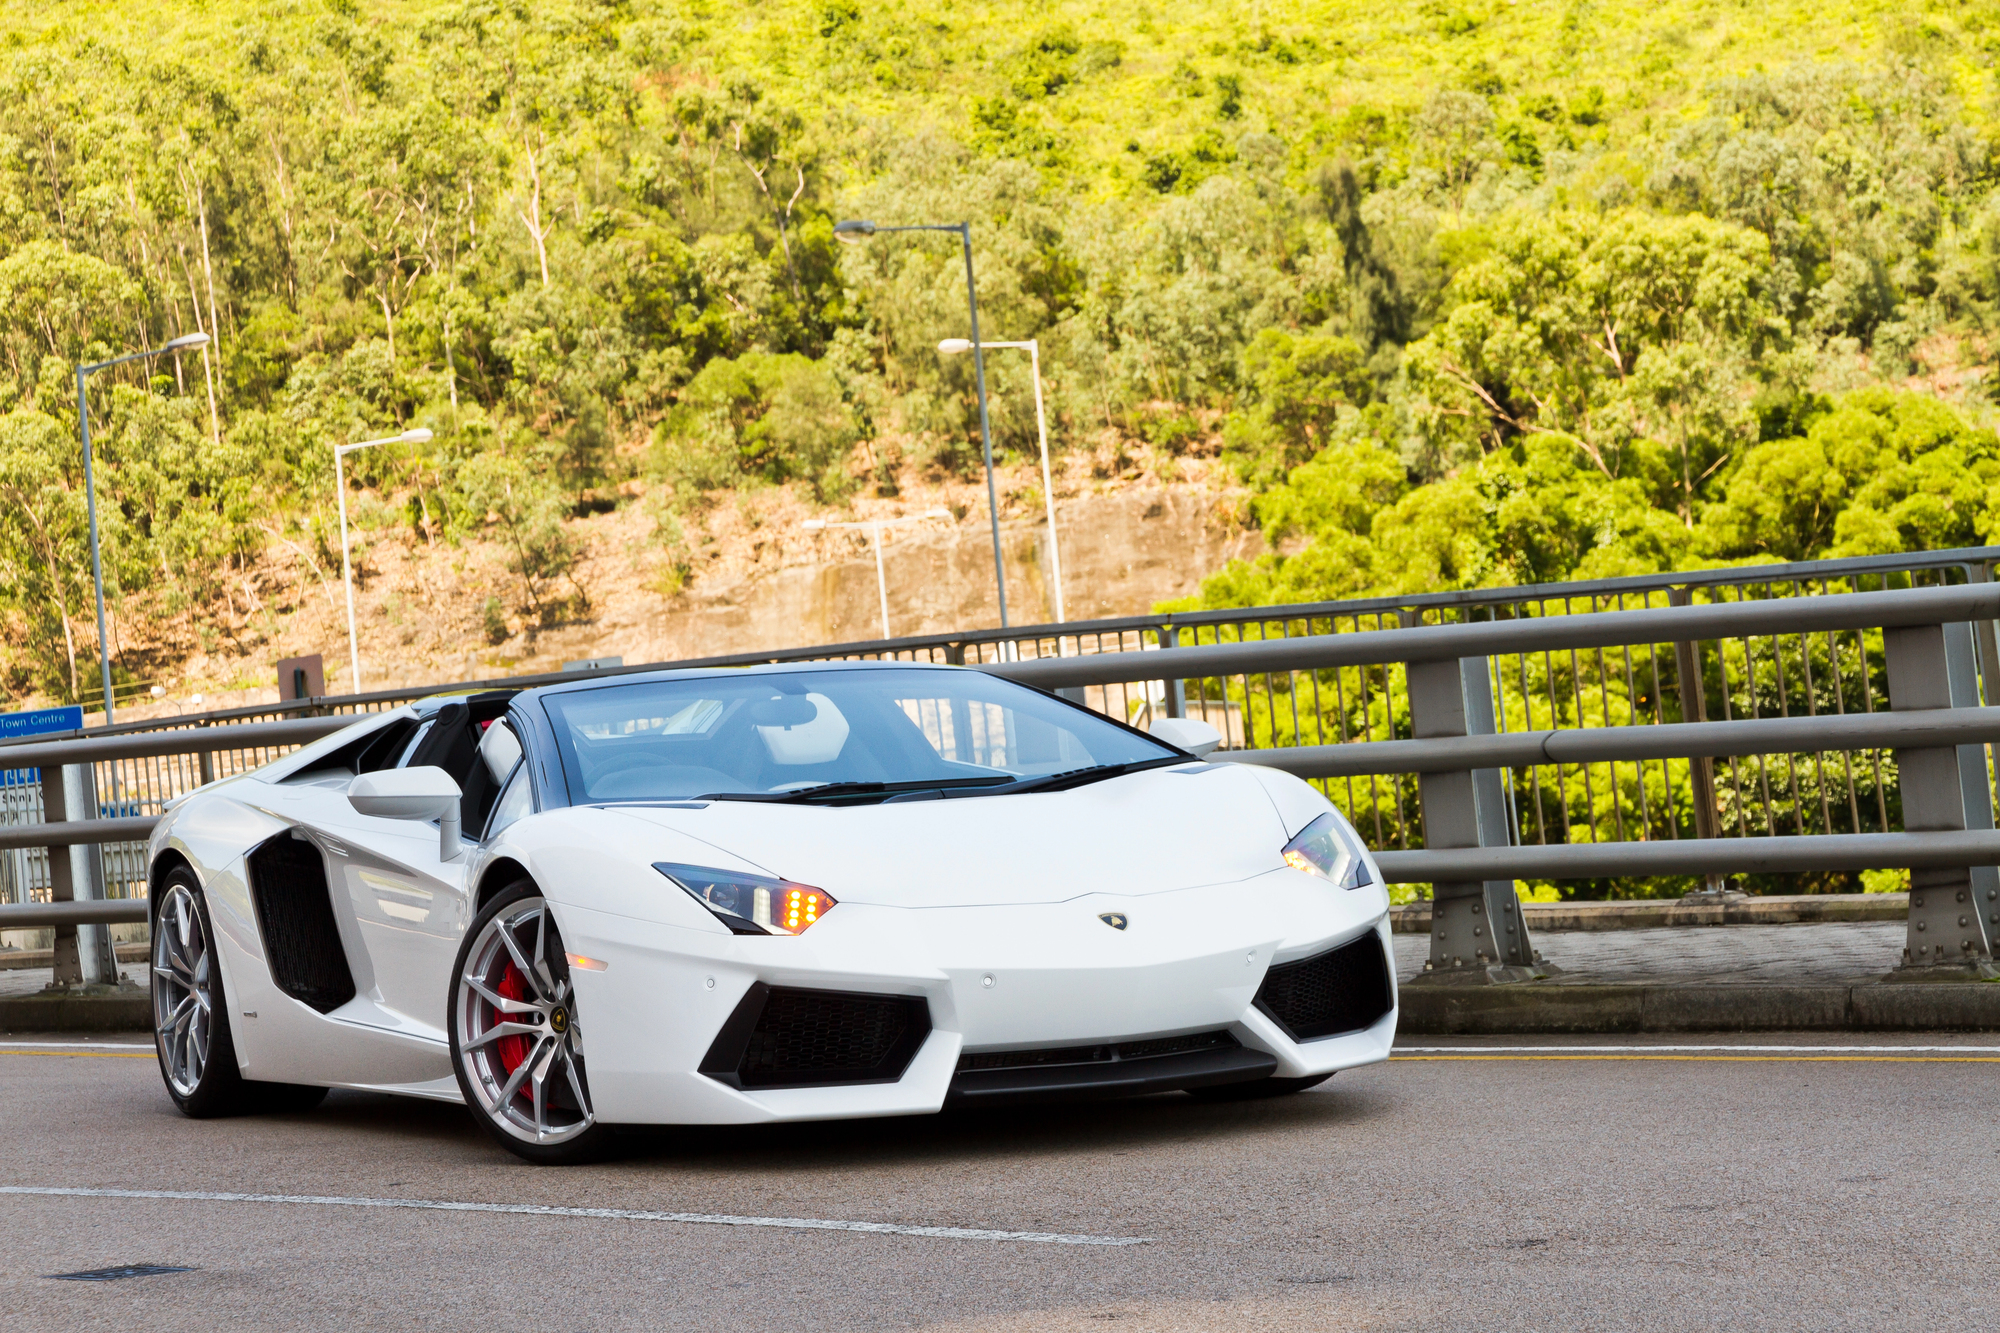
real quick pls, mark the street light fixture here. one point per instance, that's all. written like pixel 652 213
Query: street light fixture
pixel 83 372
pixel 959 347
pixel 875 527
pixel 417 436
pixel 854 232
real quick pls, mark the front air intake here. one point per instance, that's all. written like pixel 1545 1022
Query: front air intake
pixel 782 1037
pixel 1106 1069
pixel 1342 990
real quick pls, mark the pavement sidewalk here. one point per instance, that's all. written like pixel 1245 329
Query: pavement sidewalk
pixel 1845 953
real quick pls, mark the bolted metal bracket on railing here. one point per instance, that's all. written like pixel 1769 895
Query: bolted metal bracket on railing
pixel 1478 933
pixel 1954 912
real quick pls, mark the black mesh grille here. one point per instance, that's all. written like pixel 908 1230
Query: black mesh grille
pixel 1106 1053
pixel 805 1037
pixel 301 942
pixel 1342 990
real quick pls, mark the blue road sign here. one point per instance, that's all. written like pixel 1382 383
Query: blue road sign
pixel 40 721
pixel 35 722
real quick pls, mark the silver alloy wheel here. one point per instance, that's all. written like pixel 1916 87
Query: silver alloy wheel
pixel 183 990
pixel 515 1028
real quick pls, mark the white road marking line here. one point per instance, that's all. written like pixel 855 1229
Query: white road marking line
pixel 1744 1046
pixel 618 1214
pixel 80 1045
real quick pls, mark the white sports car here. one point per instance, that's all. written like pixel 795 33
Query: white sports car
pixel 744 896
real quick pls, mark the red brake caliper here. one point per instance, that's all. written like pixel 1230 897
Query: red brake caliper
pixel 511 1050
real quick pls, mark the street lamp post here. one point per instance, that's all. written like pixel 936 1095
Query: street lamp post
pixel 875 526
pixel 340 451
pixel 853 232
pixel 1033 346
pixel 84 372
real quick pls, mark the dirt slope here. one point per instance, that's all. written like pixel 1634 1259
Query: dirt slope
pixel 1133 531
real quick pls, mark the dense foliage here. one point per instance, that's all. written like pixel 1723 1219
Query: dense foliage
pixel 1469 294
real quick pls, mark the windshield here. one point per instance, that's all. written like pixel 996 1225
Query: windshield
pixel 876 733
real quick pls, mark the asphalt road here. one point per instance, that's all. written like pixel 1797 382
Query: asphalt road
pixel 1622 1189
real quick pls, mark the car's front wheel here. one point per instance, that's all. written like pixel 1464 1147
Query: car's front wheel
pixel 516 1045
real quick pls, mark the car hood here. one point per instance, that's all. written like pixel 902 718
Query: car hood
pixel 1146 832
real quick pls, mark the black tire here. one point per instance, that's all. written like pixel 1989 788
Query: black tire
pixel 1257 1089
pixel 191 1032
pixel 492 1087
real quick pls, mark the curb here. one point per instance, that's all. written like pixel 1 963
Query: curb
pixel 1536 1008
pixel 15 960
pixel 77 1013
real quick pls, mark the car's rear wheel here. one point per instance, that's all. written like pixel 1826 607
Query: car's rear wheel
pixel 516 1045
pixel 191 1030
pixel 1257 1089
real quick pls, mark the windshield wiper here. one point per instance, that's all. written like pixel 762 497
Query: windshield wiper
pixel 806 795
pixel 998 785
pixel 1079 777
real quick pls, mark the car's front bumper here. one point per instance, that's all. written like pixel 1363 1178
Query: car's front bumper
pixel 993 979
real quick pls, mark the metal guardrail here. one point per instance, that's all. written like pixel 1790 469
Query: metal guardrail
pixel 89 912
pixel 1935 737
pixel 1687 740
pixel 1754 675
pixel 95 748
pixel 1695 856
pixel 79 832
pixel 1496 638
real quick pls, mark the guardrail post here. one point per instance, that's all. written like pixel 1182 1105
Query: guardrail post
pixel 1953 912
pixel 1694 708
pixel 1989 658
pixel 1176 690
pixel 1478 933
pixel 83 953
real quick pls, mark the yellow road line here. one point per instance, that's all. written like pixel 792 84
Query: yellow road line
pixel 1742 1059
pixel 90 1055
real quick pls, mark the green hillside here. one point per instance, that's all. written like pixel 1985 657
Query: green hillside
pixel 1467 294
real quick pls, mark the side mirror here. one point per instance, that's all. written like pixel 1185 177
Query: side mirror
pixel 411 793
pixel 1190 734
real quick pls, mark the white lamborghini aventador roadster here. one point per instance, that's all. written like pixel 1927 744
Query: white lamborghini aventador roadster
pixel 731 897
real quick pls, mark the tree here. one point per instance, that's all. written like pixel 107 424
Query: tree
pixel 1883 472
pixel 523 510
pixel 760 418
pixel 1608 330
pixel 1295 385
pixel 1456 129
pixel 44 547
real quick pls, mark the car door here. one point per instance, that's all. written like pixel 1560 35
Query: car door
pixel 409 906
pixel 409 903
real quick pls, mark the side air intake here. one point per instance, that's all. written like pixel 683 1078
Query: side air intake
pixel 295 915
pixel 782 1037
pixel 1342 990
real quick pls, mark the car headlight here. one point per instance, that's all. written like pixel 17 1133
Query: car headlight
pixel 751 904
pixel 1328 848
